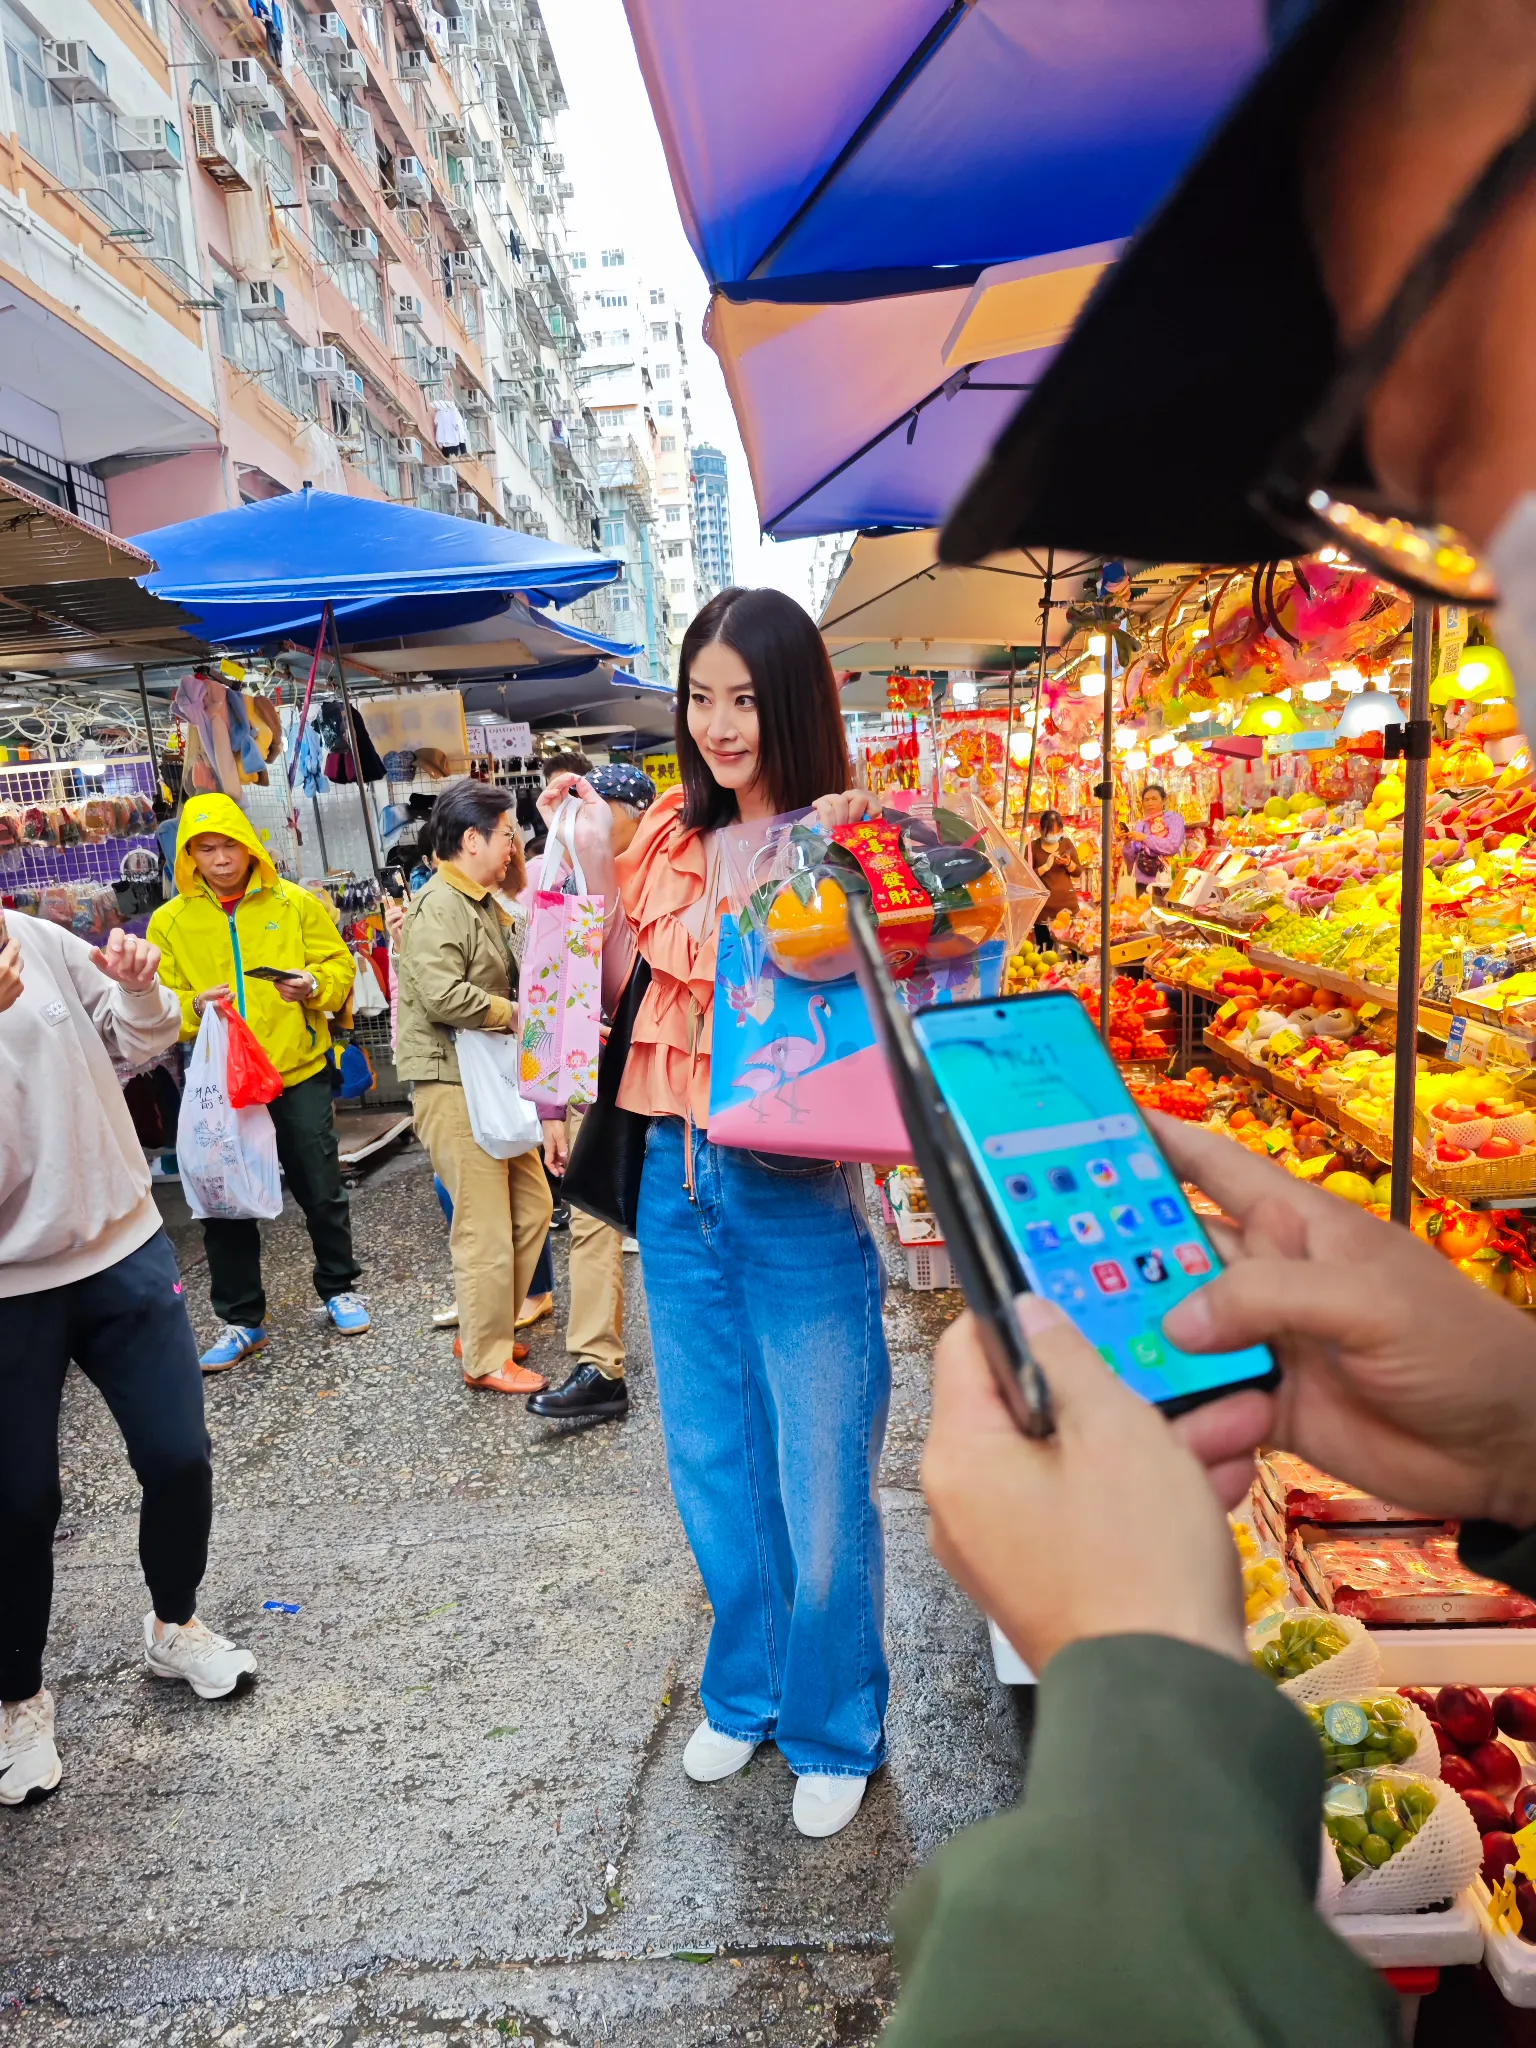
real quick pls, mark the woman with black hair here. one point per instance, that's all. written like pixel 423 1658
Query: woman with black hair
pixel 1055 861
pixel 763 1280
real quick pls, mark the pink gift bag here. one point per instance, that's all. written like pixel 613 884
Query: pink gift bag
pixel 559 996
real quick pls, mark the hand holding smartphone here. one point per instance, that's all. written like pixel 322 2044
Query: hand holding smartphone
pixel 1045 1178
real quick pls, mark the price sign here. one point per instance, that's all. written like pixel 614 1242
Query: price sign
pixel 507 740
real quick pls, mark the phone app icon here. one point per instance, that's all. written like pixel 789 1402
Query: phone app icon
pixel 1042 1237
pixel 1147 1351
pixel 1086 1228
pixel 1126 1219
pixel 1152 1267
pixel 1068 1287
pixel 1109 1277
pixel 1146 1166
pixel 1194 1258
pixel 1102 1173
pixel 1166 1210
pixel 1063 1180
pixel 1020 1186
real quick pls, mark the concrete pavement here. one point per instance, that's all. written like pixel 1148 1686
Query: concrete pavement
pixel 453 1809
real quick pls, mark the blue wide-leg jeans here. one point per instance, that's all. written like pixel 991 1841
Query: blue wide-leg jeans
pixel 765 1290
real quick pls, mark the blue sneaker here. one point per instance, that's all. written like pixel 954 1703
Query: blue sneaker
pixel 349 1312
pixel 235 1341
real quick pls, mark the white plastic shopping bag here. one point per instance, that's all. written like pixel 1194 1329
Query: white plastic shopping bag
pixel 503 1123
pixel 227 1156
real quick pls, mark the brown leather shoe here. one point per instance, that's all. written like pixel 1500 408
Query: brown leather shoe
pixel 519 1353
pixel 510 1379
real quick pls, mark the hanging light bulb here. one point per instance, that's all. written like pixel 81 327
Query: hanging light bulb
pixel 1097 644
pixel 964 693
pixel 1090 750
pixel 1346 677
pixel 1164 743
pixel 1136 758
pixel 1317 692
pixel 1327 554
pixel 1020 746
pixel 1125 738
pixel 1091 682
pixel 1182 756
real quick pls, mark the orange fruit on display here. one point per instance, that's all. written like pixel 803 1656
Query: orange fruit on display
pixel 806 929
pixel 973 921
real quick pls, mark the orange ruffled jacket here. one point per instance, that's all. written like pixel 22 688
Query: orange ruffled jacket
pixel 662 876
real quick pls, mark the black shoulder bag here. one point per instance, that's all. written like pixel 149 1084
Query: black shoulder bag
pixel 603 1177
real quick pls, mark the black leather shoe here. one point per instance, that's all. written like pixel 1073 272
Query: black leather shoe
pixel 587 1396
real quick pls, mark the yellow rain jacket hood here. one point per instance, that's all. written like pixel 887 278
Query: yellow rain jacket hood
pixel 274 924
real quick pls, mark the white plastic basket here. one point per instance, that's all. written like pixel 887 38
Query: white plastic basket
pixel 1511 1960
pixel 928 1267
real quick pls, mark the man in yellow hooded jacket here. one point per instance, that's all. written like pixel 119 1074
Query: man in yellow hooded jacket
pixel 236 930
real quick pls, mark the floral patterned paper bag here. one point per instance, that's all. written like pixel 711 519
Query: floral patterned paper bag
pixel 559 996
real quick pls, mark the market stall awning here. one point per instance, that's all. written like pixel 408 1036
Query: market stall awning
pixel 849 175
pixel 266 571
pixel 42 543
pixel 513 638
pixel 896 605
pixel 597 696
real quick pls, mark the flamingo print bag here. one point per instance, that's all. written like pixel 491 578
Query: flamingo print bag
pixel 559 998
pixel 796 1067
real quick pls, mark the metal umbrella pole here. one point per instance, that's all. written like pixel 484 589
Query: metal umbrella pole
pixel 1008 741
pixel 1106 796
pixel 369 826
pixel 149 730
pixel 1412 742
pixel 1045 648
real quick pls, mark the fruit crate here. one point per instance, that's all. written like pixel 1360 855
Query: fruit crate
pixel 928 1267
pixel 1478 1180
pixel 1510 1960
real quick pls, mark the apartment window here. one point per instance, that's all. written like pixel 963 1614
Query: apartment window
pixel 264 349
pixel 664 408
pixel 373 25
pixel 663 371
pixel 621 601
pixel 613 533
pixel 677 586
pixel 613 259
pixel 674 515
pixel 669 444
pixel 612 418
pixel 613 298
pixel 658 298
pixel 577 259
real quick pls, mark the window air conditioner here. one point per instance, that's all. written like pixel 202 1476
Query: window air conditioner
pixel 352 68
pixel 242 81
pixel 411 181
pixel 329 33
pixel 440 476
pixel 364 244
pixel 326 365
pixel 321 183
pixel 407 309
pixel 75 70
pixel 261 299
pixel 149 144
pixel 469 505
pixel 220 148
pixel 407 448
pixel 475 404
pixel 413 63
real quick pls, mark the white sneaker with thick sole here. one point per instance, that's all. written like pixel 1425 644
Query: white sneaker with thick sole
pixel 711 1756
pixel 446 1318
pixel 825 1805
pixel 29 1763
pixel 212 1665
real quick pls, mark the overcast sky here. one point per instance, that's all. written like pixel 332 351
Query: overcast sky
pixel 614 158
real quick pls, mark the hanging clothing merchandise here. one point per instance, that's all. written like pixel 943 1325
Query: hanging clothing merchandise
pixel 449 429
pixel 242 738
pixel 210 763
pixel 312 775
pixel 333 728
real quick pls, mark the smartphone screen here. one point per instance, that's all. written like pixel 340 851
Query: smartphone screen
pixel 1094 1211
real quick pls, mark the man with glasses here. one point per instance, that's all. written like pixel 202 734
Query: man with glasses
pixel 1326 335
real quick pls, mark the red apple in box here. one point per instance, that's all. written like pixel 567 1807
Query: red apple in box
pixel 1450 1749
pixel 1499 1852
pixel 1491 1814
pixel 1514 1712
pixel 1497 1767
pixel 1423 1700
pixel 1465 1714
pixel 1460 1773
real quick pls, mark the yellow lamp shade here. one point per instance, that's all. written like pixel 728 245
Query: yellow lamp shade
pixel 1265 717
pixel 1483 675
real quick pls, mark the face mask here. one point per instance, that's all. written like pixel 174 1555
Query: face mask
pixel 1512 552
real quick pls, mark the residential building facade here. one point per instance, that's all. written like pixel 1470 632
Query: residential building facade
pixel 246 245
pixel 714 555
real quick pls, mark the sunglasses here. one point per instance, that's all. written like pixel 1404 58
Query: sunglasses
pixel 1419 555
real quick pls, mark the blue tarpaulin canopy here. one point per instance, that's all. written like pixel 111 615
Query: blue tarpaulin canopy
pixel 267 571
pixel 901 205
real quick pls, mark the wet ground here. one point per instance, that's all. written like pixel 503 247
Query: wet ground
pixel 453 1809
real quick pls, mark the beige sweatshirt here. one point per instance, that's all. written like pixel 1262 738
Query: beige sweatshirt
pixel 74 1189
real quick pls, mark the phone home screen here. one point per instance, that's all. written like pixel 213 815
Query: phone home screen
pixel 1100 1223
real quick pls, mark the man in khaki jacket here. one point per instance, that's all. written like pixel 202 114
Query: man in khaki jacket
pixel 456 972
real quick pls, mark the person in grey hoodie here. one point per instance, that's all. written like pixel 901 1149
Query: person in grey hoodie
pixel 87 1272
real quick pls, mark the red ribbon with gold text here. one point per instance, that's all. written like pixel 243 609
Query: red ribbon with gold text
pixel 903 907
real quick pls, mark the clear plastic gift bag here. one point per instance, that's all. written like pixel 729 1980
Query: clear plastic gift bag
pixel 227 1157
pixel 795 1063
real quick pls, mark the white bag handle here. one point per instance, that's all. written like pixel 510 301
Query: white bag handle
pixel 562 832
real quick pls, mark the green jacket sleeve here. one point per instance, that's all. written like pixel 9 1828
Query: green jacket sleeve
pixel 1153 1890
pixel 326 954
pixel 1498 1552
pixel 437 954
pixel 159 931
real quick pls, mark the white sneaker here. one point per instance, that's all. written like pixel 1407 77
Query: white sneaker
pixel 29 1763
pixel 210 1664
pixel 631 1244
pixel 711 1756
pixel 824 1805
pixel 446 1318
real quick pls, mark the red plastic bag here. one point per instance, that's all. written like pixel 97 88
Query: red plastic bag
pixel 251 1075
